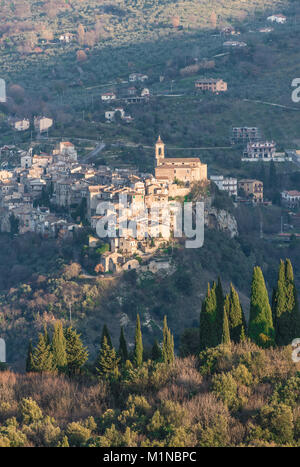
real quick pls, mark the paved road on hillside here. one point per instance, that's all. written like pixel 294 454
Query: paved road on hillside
pixel 273 104
pixel 94 153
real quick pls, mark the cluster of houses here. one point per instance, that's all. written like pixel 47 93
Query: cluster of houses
pixel 40 124
pixel 68 184
pixel 110 115
pixel 265 151
pixel 131 95
pixel 255 148
pixel 278 18
pixel 21 188
pixel 291 199
pixel 248 189
pixel 253 191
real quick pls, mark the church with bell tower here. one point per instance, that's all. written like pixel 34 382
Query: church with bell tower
pixel 187 170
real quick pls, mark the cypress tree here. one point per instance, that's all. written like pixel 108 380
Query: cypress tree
pixel 273 301
pixel 279 305
pixel 77 354
pixel 168 344
pixel 123 352
pixel 286 307
pixel 273 178
pixel 42 358
pixel 138 344
pixel 156 353
pixel 293 302
pixel 220 308
pixel 107 362
pixel 165 343
pixel 225 332
pixel 261 329
pixel 105 332
pixel 209 333
pixel 235 315
pixel 59 347
pixel 29 357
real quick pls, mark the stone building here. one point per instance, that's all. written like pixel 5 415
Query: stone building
pixel 211 84
pixel 253 189
pixel 185 170
pixel 262 150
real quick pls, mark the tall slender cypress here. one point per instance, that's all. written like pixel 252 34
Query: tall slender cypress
pixel 123 352
pixel 168 344
pixel 235 315
pixel 225 331
pixel 286 307
pixel 209 332
pixel 58 347
pixel 261 329
pixel 220 308
pixel 294 299
pixel 138 344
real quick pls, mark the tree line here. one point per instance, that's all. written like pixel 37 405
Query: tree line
pixel 222 321
pixel 66 353
pixel 222 318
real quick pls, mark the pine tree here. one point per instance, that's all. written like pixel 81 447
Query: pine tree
pixel 29 357
pixel 286 308
pixel 59 347
pixel 42 358
pixel 235 315
pixel 107 361
pixel 138 344
pixel 105 332
pixel 123 352
pixel 225 333
pixel 156 353
pixel 243 337
pixel 209 332
pixel 168 344
pixel 261 329
pixel 77 354
pixel 46 335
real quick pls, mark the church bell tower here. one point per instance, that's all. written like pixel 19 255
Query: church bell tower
pixel 159 151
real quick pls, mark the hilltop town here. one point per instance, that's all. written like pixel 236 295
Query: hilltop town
pixel 57 194
pixel 149 224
